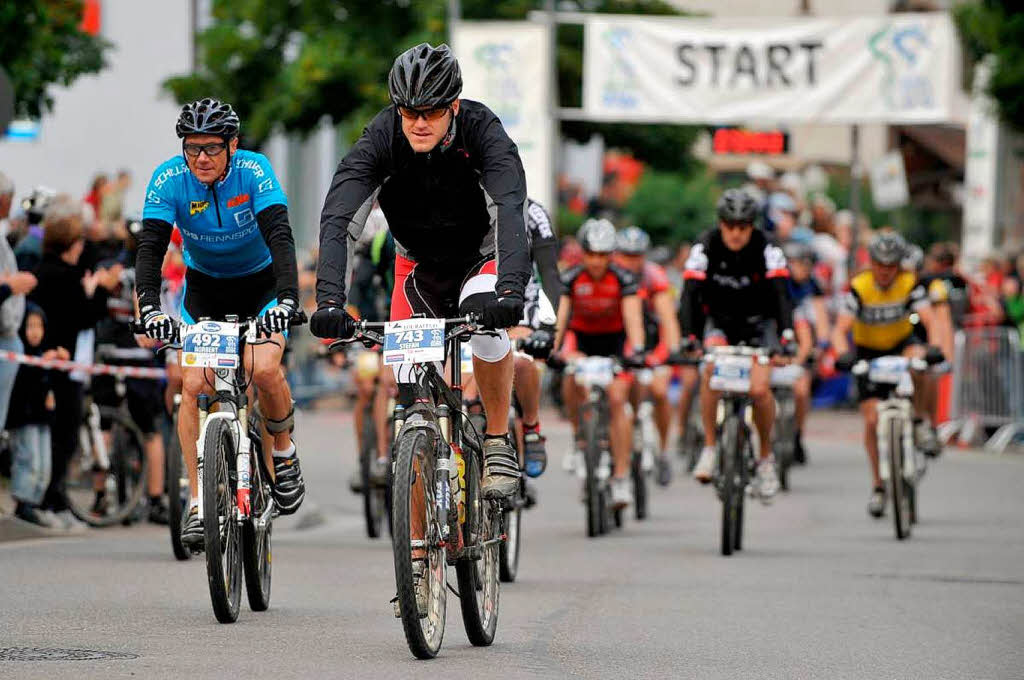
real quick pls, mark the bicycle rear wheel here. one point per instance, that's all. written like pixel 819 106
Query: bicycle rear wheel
pixel 730 490
pixel 478 577
pixel 221 531
pixel 746 470
pixel 176 480
pixel 414 506
pixel 256 535
pixel 783 443
pixel 897 483
pixel 512 527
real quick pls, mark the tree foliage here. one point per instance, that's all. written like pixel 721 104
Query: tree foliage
pixel 292 63
pixel 673 207
pixel 996 27
pixel 41 45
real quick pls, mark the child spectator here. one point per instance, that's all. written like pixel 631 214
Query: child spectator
pixel 28 420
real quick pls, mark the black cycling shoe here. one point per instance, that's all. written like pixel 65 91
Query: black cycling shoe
pixel 289 488
pixel 799 455
pixel 536 456
pixel 192 531
pixel 876 505
pixel 159 513
pixel 99 504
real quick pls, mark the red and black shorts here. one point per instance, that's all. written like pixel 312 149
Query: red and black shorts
pixel 440 292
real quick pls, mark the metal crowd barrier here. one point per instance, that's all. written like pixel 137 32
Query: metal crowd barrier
pixel 988 386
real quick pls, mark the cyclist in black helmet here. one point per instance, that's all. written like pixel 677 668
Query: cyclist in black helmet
pixel 451 185
pixel 238 247
pixel 735 280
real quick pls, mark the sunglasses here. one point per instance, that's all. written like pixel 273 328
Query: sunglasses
pixel 213 149
pixel 430 115
pixel 741 226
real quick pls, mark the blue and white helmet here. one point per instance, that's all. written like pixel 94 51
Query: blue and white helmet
pixel 632 241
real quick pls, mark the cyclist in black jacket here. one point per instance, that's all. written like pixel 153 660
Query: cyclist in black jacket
pixel 452 187
pixel 735 283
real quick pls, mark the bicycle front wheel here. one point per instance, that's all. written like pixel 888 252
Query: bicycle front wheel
pixel 512 526
pixel 589 428
pixel 897 484
pixel 729 480
pixel 102 496
pixel 417 540
pixel 636 469
pixel 221 531
pixel 478 574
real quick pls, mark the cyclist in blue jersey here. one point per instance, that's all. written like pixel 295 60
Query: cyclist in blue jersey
pixel 240 254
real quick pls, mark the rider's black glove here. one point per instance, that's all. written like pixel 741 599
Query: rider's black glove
pixel 158 325
pixel 845 362
pixel 278 318
pixel 637 360
pixel 332 322
pixel 539 344
pixel 504 312
pixel 689 345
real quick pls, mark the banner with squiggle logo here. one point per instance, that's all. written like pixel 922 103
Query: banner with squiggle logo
pixel 506 66
pixel 888 69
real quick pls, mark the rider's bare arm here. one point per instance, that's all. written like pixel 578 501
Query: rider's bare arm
pixel 841 330
pixel 633 320
pixel 665 308
pixel 564 312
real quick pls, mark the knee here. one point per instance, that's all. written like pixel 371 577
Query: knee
pixel 760 391
pixel 193 382
pixel 266 373
pixel 617 397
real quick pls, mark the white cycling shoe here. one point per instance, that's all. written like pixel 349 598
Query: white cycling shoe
pixel 767 481
pixel 622 492
pixel 705 467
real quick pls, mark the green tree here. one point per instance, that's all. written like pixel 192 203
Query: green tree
pixel 293 63
pixel 996 27
pixel 673 206
pixel 42 45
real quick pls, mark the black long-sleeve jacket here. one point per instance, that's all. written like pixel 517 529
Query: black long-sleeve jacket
pixel 446 208
pixel 736 289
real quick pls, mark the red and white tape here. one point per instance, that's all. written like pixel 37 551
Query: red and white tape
pixel 94 369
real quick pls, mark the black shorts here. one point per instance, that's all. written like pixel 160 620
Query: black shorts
pixel 442 292
pixel 596 344
pixel 761 333
pixel 145 400
pixel 865 390
pixel 215 298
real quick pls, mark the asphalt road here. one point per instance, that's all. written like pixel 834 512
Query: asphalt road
pixel 820 591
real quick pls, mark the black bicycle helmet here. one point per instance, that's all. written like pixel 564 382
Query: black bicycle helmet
pixel 737 206
pixel 887 248
pixel 207 117
pixel 425 77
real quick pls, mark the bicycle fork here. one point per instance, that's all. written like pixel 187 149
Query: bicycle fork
pixel 899 411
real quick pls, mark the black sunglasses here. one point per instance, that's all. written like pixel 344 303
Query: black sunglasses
pixel 429 115
pixel 737 225
pixel 212 149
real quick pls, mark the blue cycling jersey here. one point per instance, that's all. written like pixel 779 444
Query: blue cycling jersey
pixel 218 223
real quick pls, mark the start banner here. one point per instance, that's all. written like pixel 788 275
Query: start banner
pixel 898 68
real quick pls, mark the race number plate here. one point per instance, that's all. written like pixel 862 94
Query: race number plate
pixel 413 341
pixel 731 374
pixel 595 371
pixel 887 370
pixel 210 344
pixel 786 376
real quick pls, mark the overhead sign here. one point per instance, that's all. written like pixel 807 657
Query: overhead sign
pixel 889 182
pixel 506 65
pixel 744 141
pixel 886 69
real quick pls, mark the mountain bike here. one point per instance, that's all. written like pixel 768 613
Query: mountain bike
pixel 900 464
pixel 236 505
pixel 439 515
pixel 736 462
pixel 594 374
pixel 106 479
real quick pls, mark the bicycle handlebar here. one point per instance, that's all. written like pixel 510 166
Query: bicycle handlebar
pixel 372 332
pixel 298 318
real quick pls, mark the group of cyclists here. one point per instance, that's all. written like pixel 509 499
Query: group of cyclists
pixel 428 215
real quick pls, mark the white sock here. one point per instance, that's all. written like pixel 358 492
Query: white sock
pixel 286 453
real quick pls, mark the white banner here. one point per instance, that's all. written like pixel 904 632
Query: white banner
pixel 889 182
pixel 506 65
pixel 981 175
pixel 887 69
